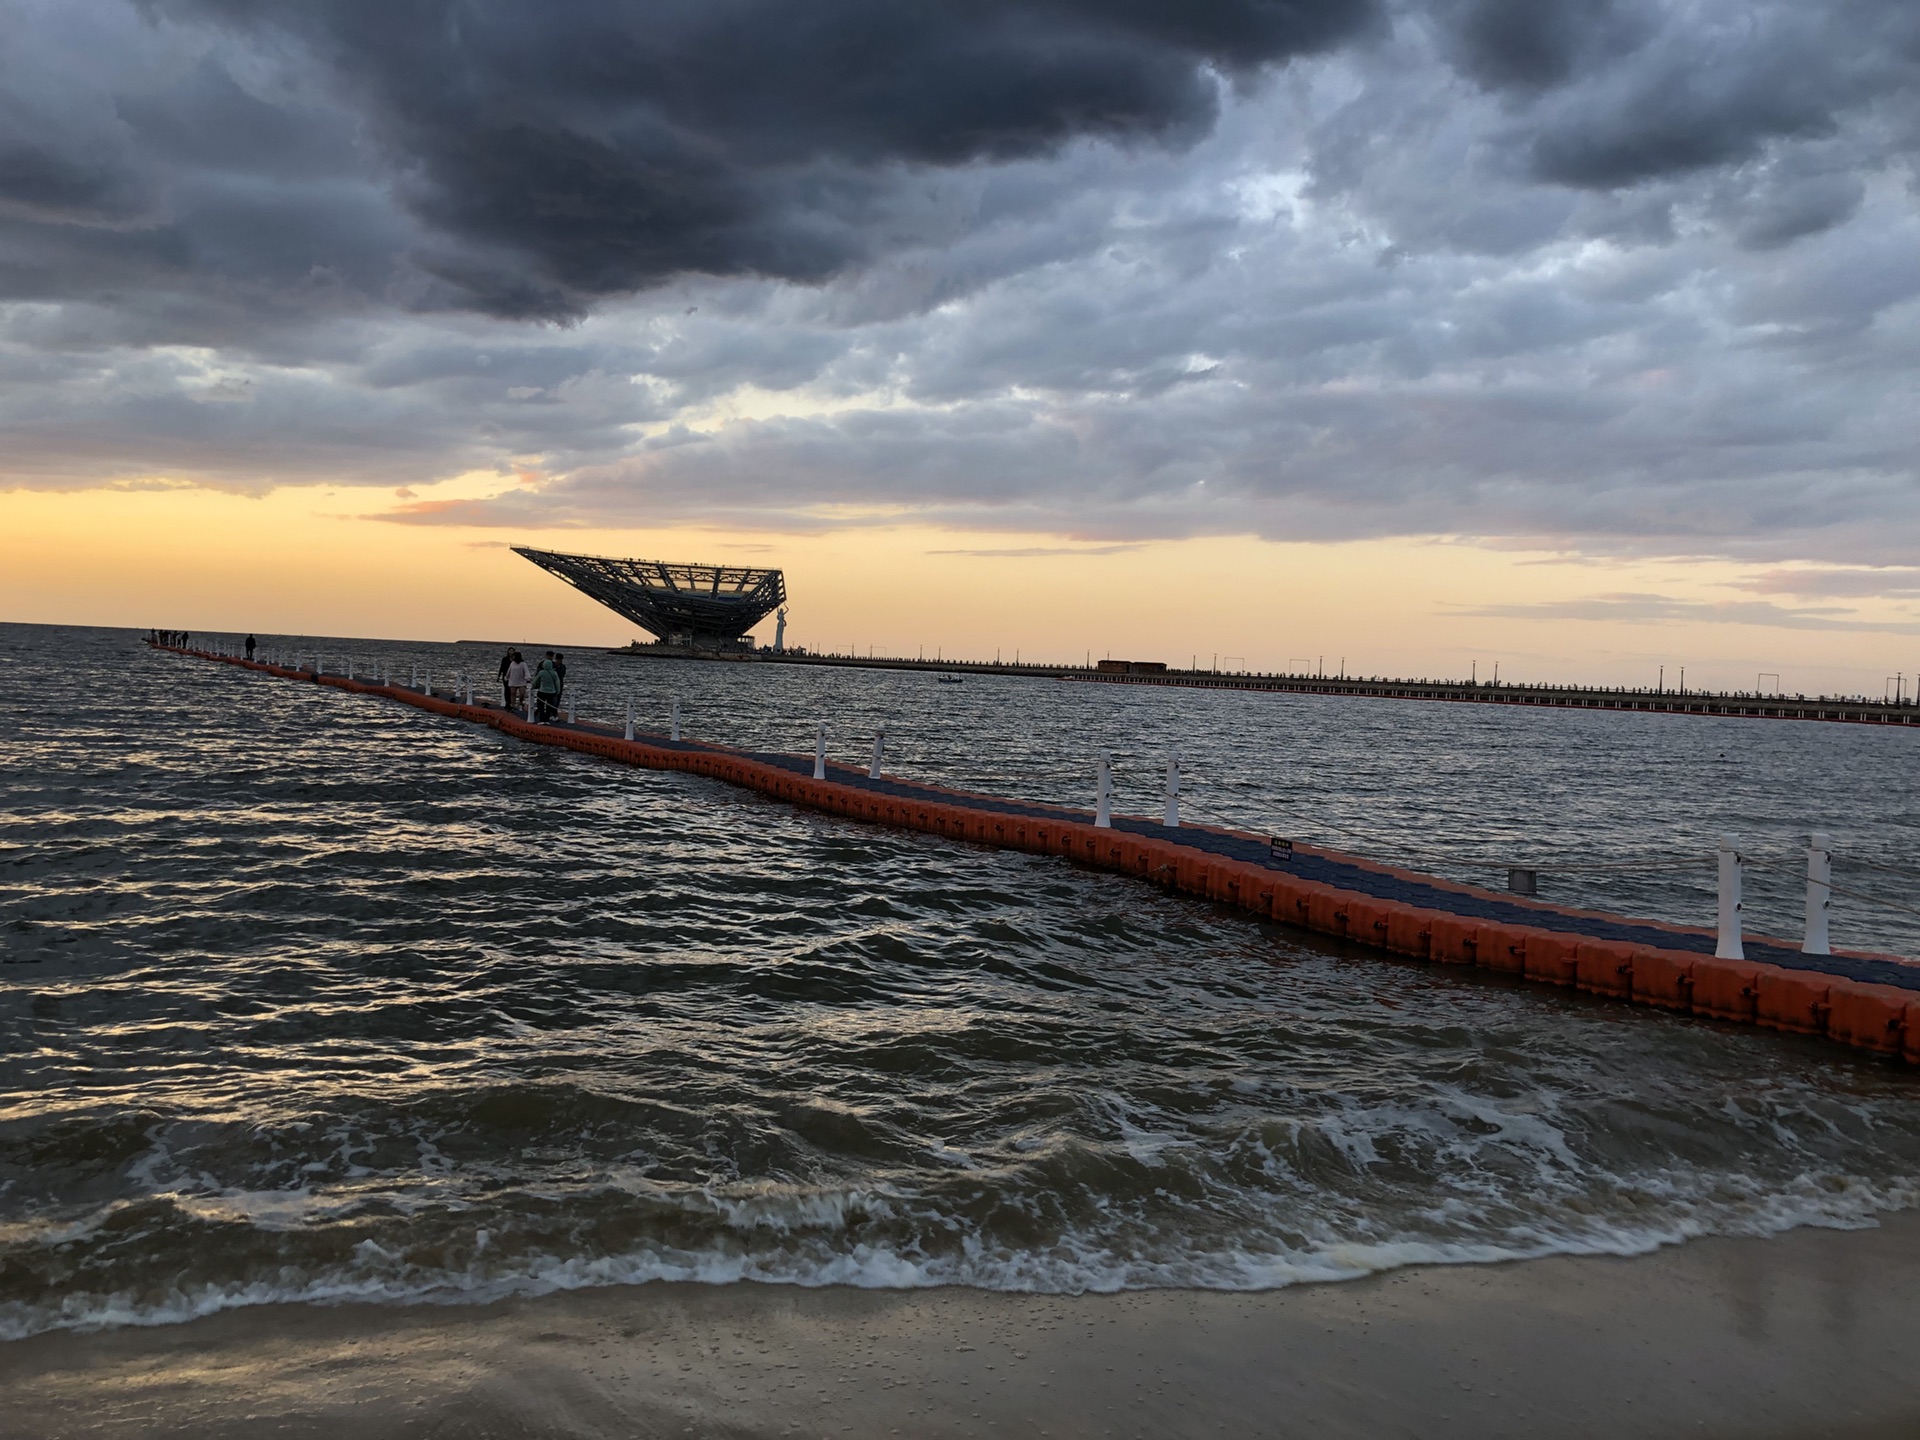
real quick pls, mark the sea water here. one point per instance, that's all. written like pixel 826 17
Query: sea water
pixel 309 996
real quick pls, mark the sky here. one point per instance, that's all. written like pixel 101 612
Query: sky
pixel 1580 336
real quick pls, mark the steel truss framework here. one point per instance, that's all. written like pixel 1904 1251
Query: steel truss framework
pixel 699 605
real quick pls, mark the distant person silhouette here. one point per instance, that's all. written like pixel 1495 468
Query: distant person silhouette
pixel 506 687
pixel 249 647
pixel 560 669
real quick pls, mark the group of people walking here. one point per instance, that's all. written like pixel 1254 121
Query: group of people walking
pixel 547 681
pixel 178 640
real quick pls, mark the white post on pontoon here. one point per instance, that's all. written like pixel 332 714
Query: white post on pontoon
pixel 1729 946
pixel 1819 895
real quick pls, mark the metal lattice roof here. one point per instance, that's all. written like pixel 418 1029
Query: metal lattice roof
pixel 703 602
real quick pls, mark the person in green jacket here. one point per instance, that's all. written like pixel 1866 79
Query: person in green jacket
pixel 546 686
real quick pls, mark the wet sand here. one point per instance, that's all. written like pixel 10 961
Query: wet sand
pixel 1814 1333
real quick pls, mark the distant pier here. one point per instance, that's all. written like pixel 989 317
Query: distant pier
pixel 1487 692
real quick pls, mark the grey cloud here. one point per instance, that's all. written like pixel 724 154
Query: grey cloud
pixel 75 185
pixel 1891 582
pixel 1793 207
pixel 1614 94
pixel 1672 120
pixel 1528 45
pixel 1630 607
pixel 1030 552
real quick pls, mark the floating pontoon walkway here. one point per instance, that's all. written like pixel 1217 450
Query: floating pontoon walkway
pixel 1866 1000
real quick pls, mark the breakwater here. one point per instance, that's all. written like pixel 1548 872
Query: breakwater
pixel 1853 710
pixel 1866 1000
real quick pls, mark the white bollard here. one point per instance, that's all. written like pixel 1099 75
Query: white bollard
pixel 1173 791
pixel 675 733
pixel 1729 946
pixel 820 752
pixel 629 720
pixel 1819 895
pixel 413 676
pixel 879 751
pixel 530 705
pixel 569 710
pixel 1103 814
pixel 349 667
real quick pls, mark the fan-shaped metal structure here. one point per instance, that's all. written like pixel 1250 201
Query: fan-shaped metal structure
pixel 703 606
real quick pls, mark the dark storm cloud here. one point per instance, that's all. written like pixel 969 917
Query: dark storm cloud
pixel 238 164
pixel 1609 275
pixel 1617 93
pixel 1531 45
pixel 559 154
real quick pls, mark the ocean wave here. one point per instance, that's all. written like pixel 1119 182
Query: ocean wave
pixel 325 1001
pixel 811 1238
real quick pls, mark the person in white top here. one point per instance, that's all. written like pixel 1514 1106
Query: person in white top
pixel 517 681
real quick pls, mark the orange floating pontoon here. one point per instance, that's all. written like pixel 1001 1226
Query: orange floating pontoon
pixel 1862 999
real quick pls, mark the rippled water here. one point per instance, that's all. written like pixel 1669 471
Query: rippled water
pixel 317 996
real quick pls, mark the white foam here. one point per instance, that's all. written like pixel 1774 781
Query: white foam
pixel 822 1256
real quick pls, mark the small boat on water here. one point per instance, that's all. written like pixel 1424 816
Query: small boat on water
pixel 951 680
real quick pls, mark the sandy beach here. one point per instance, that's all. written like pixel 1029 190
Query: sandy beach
pixel 1813 1333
